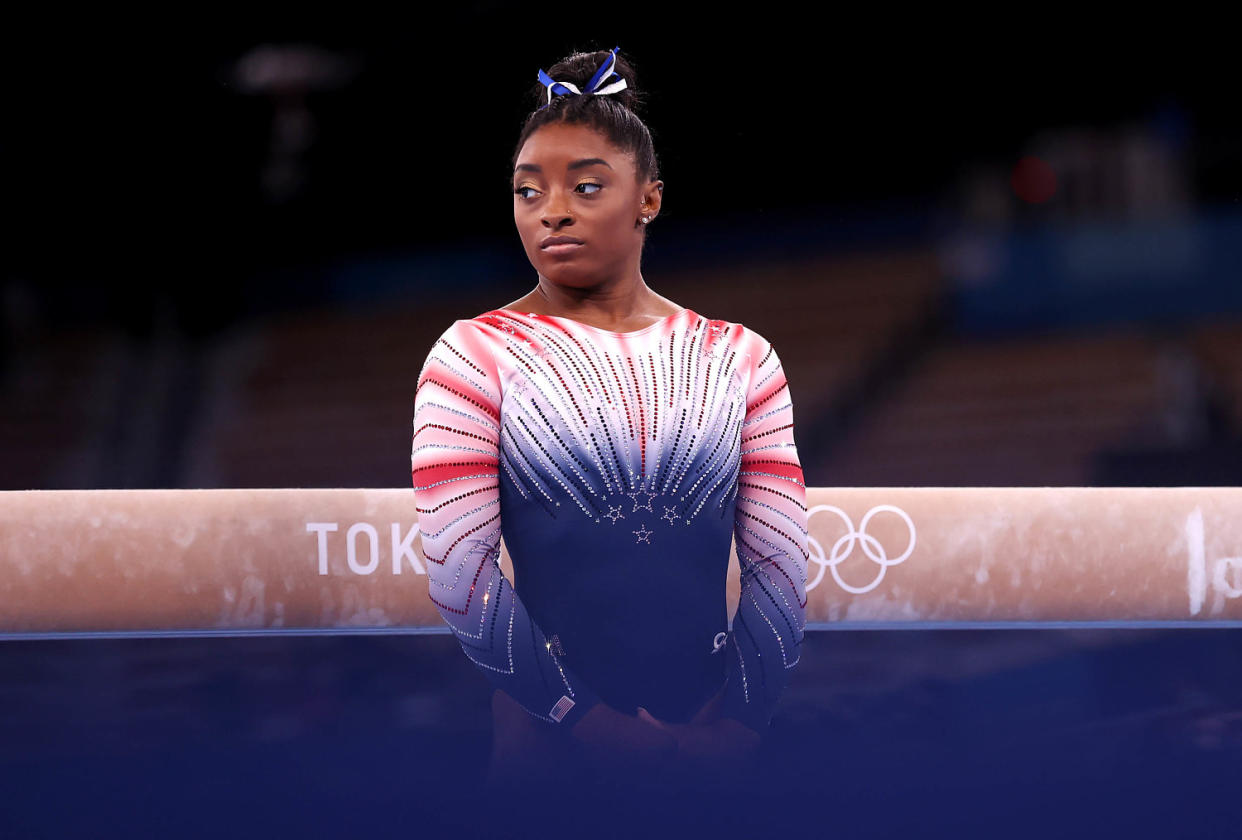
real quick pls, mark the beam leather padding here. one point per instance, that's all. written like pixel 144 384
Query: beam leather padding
pixel 184 560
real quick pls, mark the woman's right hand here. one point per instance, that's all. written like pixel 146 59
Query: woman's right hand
pixel 611 740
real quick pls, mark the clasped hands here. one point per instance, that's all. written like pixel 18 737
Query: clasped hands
pixel 709 741
pixel 706 746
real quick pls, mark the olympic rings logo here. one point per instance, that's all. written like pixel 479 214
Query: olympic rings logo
pixel 844 547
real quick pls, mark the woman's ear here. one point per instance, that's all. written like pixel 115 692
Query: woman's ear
pixel 652 196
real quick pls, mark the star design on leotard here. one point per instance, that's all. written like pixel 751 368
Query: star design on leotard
pixel 717 329
pixel 507 327
pixel 643 534
pixel 642 491
pixel 670 514
pixel 614 513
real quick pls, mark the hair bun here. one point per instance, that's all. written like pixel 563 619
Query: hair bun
pixel 577 69
pixel 614 115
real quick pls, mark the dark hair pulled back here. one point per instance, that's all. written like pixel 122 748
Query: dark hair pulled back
pixel 614 114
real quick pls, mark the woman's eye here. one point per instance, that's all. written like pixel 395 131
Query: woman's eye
pixel 597 187
pixel 521 191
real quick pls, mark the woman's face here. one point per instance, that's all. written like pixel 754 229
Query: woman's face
pixel 572 184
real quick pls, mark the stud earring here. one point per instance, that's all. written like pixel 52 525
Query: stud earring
pixel 645 220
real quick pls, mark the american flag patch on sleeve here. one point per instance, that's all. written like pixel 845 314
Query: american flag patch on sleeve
pixel 561 708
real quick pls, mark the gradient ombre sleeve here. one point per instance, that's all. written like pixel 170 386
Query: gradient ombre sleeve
pixel 770 533
pixel 454 463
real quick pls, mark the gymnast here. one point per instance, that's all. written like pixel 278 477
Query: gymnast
pixel 620 442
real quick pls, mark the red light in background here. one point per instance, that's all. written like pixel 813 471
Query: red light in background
pixel 1033 180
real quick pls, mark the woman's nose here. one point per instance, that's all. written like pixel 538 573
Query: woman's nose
pixel 556 214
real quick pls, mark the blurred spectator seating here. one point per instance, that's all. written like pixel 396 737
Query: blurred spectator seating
pixel 1020 412
pixel 318 399
pixel 62 409
pixel 828 319
pixel 1219 348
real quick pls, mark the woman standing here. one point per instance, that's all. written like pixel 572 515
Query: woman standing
pixel 620 441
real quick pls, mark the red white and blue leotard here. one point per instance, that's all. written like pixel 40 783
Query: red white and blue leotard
pixel 619 467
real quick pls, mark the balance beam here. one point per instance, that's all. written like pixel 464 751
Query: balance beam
pixel 237 562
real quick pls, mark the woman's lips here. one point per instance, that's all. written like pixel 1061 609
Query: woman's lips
pixel 562 248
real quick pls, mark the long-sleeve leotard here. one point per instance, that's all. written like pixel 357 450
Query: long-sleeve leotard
pixel 618 466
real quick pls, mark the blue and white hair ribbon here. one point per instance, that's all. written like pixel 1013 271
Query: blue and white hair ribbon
pixel 611 81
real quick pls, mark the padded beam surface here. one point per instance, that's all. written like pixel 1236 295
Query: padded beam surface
pixel 92 561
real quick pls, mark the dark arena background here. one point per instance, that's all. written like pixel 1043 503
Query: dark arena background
pixel 989 256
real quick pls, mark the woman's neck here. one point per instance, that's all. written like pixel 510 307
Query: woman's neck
pixel 619 309
pixel 616 303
